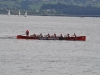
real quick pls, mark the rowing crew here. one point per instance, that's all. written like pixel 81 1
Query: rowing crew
pixel 72 35
pixel 48 35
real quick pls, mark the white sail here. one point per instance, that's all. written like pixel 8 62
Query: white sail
pixel 19 13
pixel 8 12
pixel 25 13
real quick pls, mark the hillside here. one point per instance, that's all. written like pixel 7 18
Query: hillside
pixel 37 6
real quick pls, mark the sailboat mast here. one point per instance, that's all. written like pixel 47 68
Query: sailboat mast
pixel 19 13
pixel 8 12
pixel 25 13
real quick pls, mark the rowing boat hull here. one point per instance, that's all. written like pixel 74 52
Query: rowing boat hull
pixel 25 37
pixel 78 38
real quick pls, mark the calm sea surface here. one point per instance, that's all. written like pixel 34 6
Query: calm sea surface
pixel 53 57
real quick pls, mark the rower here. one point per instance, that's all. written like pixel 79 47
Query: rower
pixel 34 35
pixel 27 32
pixel 74 35
pixel 48 35
pixel 41 35
pixel 61 35
pixel 54 35
pixel 68 35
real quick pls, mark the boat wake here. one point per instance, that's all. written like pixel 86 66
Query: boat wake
pixel 10 37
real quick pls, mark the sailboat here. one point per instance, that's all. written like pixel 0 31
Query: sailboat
pixel 8 12
pixel 25 13
pixel 19 13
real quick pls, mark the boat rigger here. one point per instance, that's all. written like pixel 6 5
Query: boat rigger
pixel 51 37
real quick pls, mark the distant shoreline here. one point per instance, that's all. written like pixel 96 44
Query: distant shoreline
pixel 58 15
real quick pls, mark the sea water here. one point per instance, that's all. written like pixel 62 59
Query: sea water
pixel 52 57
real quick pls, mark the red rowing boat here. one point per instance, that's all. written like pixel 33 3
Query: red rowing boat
pixel 26 37
pixel 72 38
